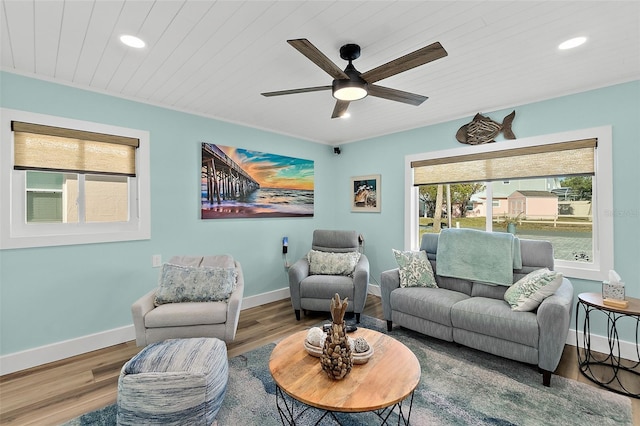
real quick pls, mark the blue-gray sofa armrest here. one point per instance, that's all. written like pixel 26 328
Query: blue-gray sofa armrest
pixel 297 272
pixel 360 284
pixel 139 309
pixel 389 281
pixel 554 317
pixel 234 306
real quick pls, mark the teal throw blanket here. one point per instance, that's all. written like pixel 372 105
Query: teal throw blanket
pixel 488 257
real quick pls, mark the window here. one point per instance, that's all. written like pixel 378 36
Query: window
pixel 555 187
pixel 71 182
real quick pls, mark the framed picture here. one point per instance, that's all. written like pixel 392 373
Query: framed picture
pixel 239 183
pixel 365 193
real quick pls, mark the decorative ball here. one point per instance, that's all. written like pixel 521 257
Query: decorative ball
pixel 360 345
pixel 315 337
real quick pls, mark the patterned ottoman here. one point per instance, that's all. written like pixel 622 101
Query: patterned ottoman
pixel 177 382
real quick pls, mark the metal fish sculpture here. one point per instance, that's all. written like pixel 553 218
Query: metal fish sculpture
pixel 483 130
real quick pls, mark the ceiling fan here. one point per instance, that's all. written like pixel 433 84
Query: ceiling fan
pixel 351 85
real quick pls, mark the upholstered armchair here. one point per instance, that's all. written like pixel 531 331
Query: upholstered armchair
pixel 334 265
pixel 197 296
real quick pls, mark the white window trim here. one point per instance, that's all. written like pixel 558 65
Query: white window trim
pixel 603 219
pixel 15 233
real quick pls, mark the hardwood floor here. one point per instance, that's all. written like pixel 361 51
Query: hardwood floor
pixel 57 392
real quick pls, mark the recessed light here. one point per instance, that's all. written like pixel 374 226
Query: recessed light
pixel 571 43
pixel 132 41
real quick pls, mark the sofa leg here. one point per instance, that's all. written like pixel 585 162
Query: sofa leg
pixel 389 325
pixel 297 314
pixel 357 318
pixel 546 378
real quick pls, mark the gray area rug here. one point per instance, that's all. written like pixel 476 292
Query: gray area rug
pixel 459 386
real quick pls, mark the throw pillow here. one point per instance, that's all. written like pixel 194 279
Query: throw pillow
pixel 194 284
pixel 415 269
pixel 328 263
pixel 529 292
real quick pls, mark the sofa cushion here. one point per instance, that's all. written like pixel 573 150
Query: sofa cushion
pixel 329 263
pixel 530 291
pixel 433 304
pixel 325 287
pixel 179 283
pixel 186 314
pixel 493 317
pixel 415 269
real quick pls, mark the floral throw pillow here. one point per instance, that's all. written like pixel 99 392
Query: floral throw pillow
pixel 529 292
pixel 415 269
pixel 194 284
pixel 328 263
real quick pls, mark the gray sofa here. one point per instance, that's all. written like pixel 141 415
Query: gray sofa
pixel 474 314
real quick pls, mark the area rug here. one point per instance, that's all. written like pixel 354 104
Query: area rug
pixel 458 386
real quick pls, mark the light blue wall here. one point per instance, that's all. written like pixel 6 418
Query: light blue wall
pixel 618 106
pixel 52 294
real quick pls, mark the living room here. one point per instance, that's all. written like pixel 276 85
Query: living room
pixel 62 300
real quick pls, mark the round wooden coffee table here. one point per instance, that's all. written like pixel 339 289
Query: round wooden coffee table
pixel 381 385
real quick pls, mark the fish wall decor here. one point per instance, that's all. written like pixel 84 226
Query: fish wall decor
pixel 484 130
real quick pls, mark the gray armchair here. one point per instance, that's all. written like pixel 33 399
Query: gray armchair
pixel 314 292
pixel 189 319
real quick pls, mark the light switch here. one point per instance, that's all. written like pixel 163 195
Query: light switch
pixel 156 260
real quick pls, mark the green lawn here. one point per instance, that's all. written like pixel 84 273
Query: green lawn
pixel 479 223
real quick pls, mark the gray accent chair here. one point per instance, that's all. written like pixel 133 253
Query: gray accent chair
pixel 190 319
pixel 314 292
pixel 474 314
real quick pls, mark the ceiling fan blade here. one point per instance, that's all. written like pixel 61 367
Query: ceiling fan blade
pixel 340 109
pixel 294 91
pixel 404 63
pixel 305 47
pixel 396 95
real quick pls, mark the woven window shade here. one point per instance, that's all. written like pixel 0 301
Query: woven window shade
pixel 49 148
pixel 559 159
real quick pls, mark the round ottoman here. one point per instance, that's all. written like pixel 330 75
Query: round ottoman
pixel 176 382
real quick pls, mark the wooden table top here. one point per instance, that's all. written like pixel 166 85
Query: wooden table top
pixel 595 300
pixel 391 374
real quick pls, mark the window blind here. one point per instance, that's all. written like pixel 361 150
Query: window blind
pixel 38 147
pixel 558 159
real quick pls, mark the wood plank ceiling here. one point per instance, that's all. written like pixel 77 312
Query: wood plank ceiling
pixel 215 58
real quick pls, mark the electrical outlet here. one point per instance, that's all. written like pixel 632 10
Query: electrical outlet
pixel 156 260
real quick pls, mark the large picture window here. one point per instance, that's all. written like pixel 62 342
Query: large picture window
pixel 72 182
pixel 555 188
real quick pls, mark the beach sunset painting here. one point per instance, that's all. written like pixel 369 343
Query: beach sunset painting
pixel 239 183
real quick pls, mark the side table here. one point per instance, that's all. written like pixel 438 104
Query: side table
pixel 608 370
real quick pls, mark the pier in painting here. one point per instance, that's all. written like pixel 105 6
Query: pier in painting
pixel 225 179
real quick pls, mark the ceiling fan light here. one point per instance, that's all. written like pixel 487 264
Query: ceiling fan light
pixel 132 41
pixel 348 90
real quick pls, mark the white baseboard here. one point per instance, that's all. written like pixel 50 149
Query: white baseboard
pixel 375 290
pixel 22 360
pixel 628 350
pixel 29 358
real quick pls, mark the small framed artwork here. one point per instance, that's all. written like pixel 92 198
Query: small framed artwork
pixel 365 193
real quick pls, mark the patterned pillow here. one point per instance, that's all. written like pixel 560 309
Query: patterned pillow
pixel 327 263
pixel 415 269
pixel 194 284
pixel 529 292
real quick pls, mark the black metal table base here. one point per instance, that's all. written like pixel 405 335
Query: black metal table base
pixel 589 362
pixel 292 411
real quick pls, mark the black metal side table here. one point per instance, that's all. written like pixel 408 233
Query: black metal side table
pixel 608 370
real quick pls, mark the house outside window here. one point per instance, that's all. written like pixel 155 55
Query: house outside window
pixel 568 210
pixel 71 182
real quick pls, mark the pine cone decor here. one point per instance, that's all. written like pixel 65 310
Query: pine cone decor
pixel 336 358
